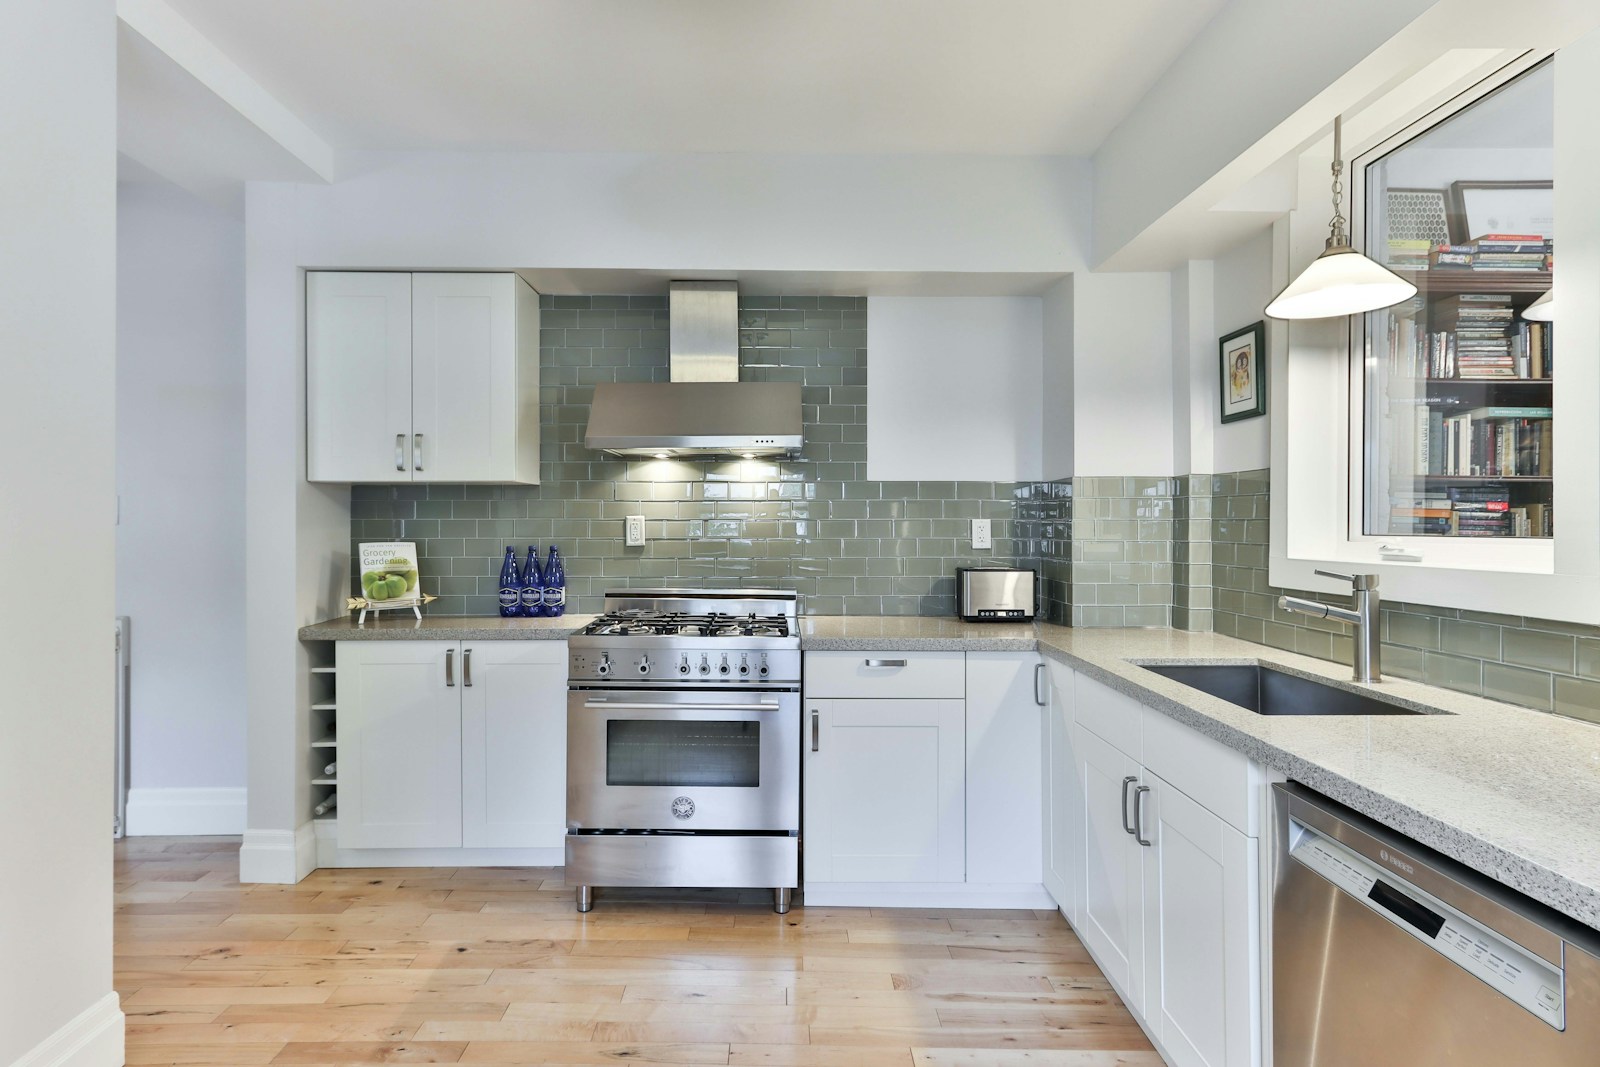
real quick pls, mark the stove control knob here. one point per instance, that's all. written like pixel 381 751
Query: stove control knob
pixel 644 664
pixel 683 665
pixel 744 667
pixel 705 666
pixel 603 668
pixel 724 668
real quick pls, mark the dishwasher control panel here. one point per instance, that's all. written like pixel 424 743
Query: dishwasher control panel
pixel 1501 964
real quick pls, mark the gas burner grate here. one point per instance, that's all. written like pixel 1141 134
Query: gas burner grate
pixel 640 623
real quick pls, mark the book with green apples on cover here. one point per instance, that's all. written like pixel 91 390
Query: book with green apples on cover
pixel 389 573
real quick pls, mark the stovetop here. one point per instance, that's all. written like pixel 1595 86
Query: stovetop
pixel 639 622
pixel 697 637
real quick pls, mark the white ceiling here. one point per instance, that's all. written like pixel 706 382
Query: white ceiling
pixel 804 76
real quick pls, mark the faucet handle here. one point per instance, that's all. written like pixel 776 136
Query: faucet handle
pixel 1357 581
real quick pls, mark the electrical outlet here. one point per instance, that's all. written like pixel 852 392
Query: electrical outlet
pixel 633 531
pixel 981 537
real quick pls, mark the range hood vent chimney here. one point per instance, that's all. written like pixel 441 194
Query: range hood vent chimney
pixel 705 410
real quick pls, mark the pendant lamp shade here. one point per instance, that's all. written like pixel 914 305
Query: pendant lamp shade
pixel 1340 282
pixel 1542 309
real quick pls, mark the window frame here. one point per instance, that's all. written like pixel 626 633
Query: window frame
pixel 1319 439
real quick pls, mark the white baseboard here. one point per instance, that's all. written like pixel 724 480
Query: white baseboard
pixel 330 855
pixel 93 1038
pixel 281 857
pixel 928 895
pixel 182 812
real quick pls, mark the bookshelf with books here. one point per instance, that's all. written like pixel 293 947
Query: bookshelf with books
pixel 1468 387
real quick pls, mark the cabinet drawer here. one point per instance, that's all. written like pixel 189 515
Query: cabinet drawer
pixel 891 675
pixel 1220 778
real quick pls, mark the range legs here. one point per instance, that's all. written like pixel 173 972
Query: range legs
pixel 780 901
pixel 585 897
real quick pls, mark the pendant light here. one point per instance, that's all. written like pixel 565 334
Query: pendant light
pixel 1341 281
pixel 1542 309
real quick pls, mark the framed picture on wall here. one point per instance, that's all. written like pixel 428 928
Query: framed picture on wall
pixel 1242 361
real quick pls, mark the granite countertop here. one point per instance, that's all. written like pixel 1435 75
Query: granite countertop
pixel 1510 792
pixel 1507 791
pixel 404 627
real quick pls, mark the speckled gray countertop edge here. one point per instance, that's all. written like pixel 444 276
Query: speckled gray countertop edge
pixel 1572 898
pixel 445 628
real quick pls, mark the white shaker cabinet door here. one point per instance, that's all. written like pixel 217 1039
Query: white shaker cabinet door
pixel 514 744
pixel 399 730
pixel 358 377
pixel 1111 911
pixel 471 380
pixel 1005 730
pixel 1200 932
pixel 885 783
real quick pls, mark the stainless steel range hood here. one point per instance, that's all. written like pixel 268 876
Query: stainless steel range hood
pixel 705 410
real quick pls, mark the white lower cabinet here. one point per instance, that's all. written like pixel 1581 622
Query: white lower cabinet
pixel 1162 888
pixel 885 786
pixel 1199 878
pixel 514 745
pixel 1111 915
pixel 1004 774
pixel 446 744
pixel 399 744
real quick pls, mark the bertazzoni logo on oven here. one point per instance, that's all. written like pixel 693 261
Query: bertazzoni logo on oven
pixel 682 807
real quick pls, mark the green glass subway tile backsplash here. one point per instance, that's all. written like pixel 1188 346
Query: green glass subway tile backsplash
pixel 814 524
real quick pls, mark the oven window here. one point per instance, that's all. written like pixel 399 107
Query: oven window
pixel 675 753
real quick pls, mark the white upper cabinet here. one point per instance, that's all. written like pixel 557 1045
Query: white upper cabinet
pixel 421 378
pixel 358 376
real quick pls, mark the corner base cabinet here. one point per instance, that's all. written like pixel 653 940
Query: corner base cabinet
pixel 922 779
pixel 448 744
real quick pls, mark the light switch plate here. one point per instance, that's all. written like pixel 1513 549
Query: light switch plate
pixel 633 531
pixel 980 534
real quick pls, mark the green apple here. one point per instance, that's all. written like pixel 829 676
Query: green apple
pixel 396 585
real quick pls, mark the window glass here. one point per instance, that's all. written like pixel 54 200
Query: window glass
pixel 1459 381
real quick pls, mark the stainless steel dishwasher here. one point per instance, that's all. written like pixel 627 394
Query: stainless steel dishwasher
pixel 1385 953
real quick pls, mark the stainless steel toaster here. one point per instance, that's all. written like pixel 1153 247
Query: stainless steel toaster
pixel 995 594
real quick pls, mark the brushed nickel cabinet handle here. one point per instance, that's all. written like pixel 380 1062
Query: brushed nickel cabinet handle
pixel 416 451
pixel 466 667
pixel 885 663
pixel 816 729
pixel 1138 815
pixel 1038 692
pixel 450 667
pixel 399 451
pixel 1126 827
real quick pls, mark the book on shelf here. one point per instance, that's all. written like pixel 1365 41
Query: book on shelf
pixel 1476 444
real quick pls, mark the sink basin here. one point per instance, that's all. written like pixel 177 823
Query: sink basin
pixel 1268 692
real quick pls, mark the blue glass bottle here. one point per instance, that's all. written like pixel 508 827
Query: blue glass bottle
pixel 555 585
pixel 510 586
pixel 532 586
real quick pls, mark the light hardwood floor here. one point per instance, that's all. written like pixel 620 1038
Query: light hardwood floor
pixel 441 965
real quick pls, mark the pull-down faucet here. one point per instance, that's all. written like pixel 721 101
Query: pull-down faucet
pixel 1364 618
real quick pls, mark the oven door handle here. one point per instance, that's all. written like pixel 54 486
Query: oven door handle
pixel 621 705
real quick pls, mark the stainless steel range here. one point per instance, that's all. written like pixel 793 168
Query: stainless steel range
pixel 683 743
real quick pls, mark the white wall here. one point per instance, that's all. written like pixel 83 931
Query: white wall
pixel 180 482
pixel 1194 342
pixel 1122 375
pixel 954 388
pixel 1056 392
pixel 1242 286
pixel 57 362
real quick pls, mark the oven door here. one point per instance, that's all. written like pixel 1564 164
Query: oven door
pixel 683 760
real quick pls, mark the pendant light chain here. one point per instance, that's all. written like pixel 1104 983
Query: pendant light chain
pixel 1337 236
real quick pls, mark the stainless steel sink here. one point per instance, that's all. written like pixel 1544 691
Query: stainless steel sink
pixel 1268 692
